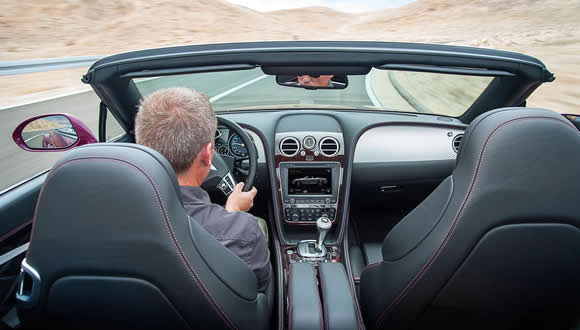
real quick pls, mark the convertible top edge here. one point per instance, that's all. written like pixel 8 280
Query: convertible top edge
pixel 376 54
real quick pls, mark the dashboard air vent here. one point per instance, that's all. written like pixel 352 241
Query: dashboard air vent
pixel 329 146
pixel 289 146
pixel 457 142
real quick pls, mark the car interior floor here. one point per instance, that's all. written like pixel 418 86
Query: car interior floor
pixel 367 230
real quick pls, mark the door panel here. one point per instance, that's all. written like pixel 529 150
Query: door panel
pixel 16 212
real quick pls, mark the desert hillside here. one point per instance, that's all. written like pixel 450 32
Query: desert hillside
pixel 547 29
pixel 79 27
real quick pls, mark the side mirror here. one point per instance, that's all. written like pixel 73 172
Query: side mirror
pixel 574 119
pixel 54 132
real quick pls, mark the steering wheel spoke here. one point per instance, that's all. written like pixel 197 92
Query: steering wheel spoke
pixel 227 184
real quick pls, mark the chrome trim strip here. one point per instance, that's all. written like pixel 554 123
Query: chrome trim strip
pixel 259 146
pixel 41 173
pixel 13 253
pixel 29 269
pixel 24 298
pixel 231 182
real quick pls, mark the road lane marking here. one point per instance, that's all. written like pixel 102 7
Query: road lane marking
pixel 231 90
pixel 34 137
pixel 370 92
pixel 88 89
pixel 47 98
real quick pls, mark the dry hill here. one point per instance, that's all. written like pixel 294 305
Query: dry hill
pixel 65 27
pixel 547 29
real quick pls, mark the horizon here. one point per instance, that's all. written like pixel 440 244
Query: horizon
pixel 344 6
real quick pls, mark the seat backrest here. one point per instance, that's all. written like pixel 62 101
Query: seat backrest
pixel 497 244
pixel 112 247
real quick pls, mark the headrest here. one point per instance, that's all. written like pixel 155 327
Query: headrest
pixel 105 199
pixel 138 155
pixel 532 155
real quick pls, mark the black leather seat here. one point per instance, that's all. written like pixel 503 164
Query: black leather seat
pixel 497 244
pixel 112 247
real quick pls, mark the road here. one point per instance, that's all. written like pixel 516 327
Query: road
pixel 226 90
pixel 17 164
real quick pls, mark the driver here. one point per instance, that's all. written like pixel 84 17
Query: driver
pixel 315 80
pixel 181 124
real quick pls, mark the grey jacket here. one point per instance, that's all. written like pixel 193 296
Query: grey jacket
pixel 238 231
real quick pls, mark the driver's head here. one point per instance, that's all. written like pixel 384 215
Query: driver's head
pixel 180 124
pixel 318 80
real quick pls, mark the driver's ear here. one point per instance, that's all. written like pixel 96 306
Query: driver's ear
pixel 206 154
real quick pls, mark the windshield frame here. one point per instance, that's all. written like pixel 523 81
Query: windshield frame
pixel 108 76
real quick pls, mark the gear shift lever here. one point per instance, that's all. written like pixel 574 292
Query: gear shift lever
pixel 323 224
pixel 315 249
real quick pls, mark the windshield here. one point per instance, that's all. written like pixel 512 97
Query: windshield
pixel 405 91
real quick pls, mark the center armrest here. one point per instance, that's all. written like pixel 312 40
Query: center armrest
pixel 338 301
pixel 305 310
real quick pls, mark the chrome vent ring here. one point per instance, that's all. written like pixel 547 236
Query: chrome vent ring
pixel 289 146
pixel 329 146
pixel 456 142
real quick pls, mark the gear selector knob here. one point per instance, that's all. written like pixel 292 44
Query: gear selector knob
pixel 323 224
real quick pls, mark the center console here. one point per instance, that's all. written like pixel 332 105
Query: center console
pixel 309 190
pixel 317 282
pixel 309 168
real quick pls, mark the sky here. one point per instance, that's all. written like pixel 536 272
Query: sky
pixel 348 6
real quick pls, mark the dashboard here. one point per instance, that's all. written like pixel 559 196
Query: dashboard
pixel 323 162
pixel 230 144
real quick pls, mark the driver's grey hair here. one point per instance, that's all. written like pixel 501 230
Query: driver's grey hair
pixel 177 122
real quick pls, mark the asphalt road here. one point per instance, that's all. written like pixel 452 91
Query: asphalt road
pixel 33 139
pixel 16 164
pixel 226 90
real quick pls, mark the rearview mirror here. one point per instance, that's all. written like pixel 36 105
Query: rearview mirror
pixel 313 81
pixel 55 132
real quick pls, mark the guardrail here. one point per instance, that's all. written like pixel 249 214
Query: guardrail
pixel 29 66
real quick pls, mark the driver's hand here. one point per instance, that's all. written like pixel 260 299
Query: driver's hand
pixel 239 200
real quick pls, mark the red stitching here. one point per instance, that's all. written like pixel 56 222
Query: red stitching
pixel 451 229
pixel 190 268
pixel 15 230
pixel 370 266
pixel 168 226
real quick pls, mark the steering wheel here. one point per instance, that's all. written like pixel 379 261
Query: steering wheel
pixel 220 177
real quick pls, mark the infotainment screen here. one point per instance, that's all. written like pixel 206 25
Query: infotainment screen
pixel 309 181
